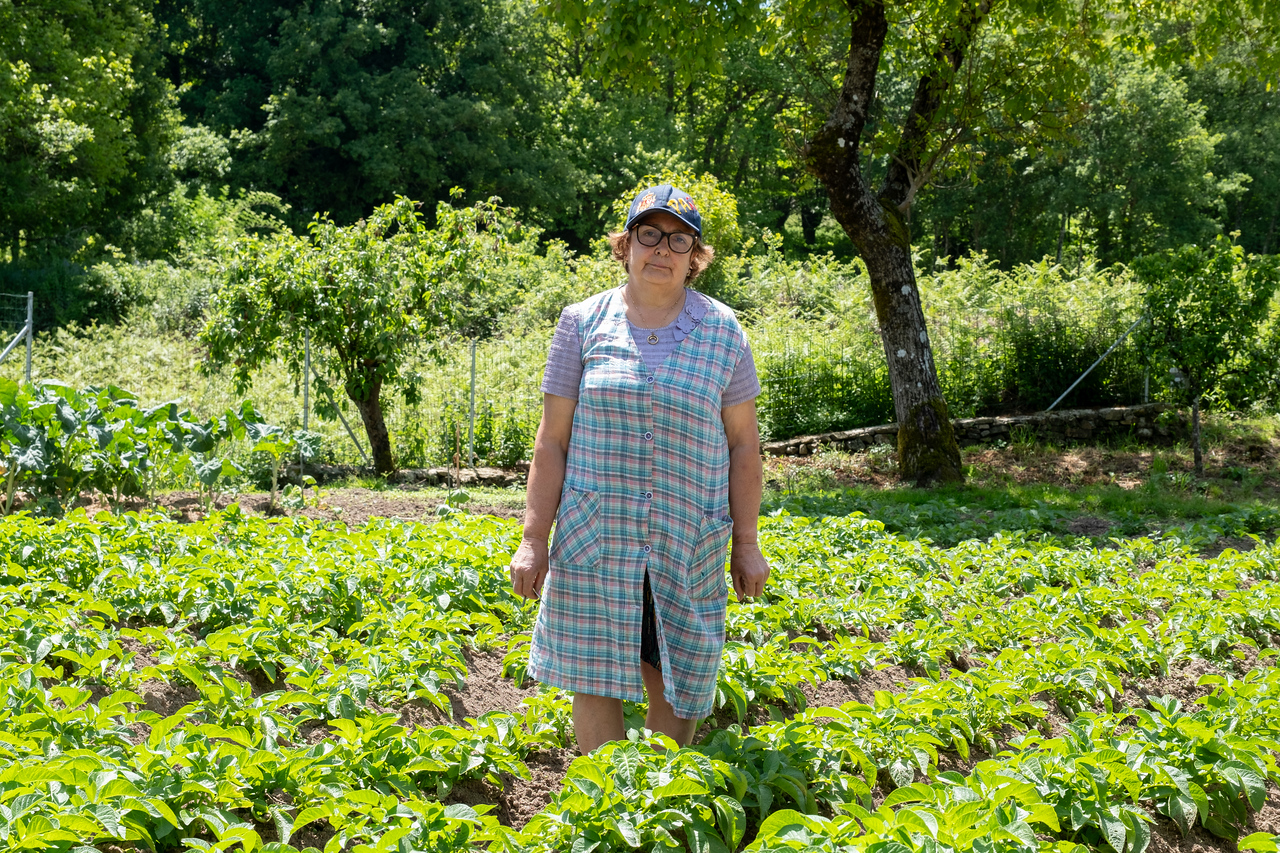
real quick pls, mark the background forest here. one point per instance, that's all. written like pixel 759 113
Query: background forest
pixel 139 143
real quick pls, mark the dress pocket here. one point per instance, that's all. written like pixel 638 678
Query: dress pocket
pixel 706 570
pixel 577 535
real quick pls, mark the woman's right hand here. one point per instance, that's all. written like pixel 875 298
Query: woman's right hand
pixel 529 568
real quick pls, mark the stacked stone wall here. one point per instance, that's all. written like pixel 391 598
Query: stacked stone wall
pixel 1152 423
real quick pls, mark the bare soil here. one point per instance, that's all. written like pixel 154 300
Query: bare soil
pixel 1227 464
pixel 354 506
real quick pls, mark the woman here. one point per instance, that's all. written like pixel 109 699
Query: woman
pixel 648 457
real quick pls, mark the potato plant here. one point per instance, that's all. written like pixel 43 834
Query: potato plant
pixel 297 647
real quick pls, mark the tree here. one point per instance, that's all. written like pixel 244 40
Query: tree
pixel 1203 307
pixel 1137 174
pixel 337 105
pixel 961 73
pixel 367 293
pixel 1244 111
pixel 608 133
pixel 1144 174
pixel 83 122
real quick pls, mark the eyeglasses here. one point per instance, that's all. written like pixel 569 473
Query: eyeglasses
pixel 679 241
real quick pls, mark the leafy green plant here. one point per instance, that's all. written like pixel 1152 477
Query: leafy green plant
pixel 1203 307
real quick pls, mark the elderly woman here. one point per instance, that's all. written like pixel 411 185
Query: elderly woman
pixel 648 458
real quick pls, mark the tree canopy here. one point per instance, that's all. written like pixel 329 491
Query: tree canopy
pixel 84 121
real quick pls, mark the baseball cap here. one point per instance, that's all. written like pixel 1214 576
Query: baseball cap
pixel 667 199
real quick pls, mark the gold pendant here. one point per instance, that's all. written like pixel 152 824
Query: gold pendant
pixel 653 339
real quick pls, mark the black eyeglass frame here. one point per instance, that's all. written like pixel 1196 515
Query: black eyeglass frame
pixel 665 235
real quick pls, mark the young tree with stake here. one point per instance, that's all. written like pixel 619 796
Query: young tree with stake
pixel 1203 306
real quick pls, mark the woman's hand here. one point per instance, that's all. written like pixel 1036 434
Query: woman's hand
pixel 529 568
pixel 749 570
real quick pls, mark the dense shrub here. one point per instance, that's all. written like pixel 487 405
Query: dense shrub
pixel 67 293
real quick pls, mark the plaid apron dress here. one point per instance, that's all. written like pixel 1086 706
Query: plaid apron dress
pixel 646 487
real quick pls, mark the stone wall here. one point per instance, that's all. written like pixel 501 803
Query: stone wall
pixel 1138 423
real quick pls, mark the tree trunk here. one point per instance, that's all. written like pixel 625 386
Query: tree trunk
pixel 810 219
pixel 927 449
pixel 369 405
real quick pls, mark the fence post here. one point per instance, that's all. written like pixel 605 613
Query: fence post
pixel 306 376
pixel 471 421
pixel 31 297
pixel 306 396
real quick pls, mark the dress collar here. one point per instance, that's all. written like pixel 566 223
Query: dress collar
pixel 695 308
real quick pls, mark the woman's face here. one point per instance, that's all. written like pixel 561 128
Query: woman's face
pixel 658 265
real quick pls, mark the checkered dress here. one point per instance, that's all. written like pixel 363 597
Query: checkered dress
pixel 646 486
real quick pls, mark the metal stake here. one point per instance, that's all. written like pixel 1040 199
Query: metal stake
pixel 31 297
pixel 306 397
pixel 350 432
pixel 1119 340
pixel 471 422
pixel 306 376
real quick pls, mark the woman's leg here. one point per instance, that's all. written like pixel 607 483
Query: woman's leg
pixel 596 720
pixel 661 716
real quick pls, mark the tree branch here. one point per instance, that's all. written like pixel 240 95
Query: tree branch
pixel 907 173
pixel 833 151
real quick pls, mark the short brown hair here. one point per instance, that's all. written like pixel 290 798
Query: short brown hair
pixel 703 254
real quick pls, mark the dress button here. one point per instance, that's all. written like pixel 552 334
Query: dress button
pixel 649 379
pixel 648 436
pixel 648 496
pixel 646 549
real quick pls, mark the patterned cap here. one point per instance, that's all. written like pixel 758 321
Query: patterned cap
pixel 667 199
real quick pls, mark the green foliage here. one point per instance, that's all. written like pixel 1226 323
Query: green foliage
pixel 340 106
pixel 718 207
pixel 82 127
pixel 1203 305
pixel 1139 172
pixel 65 293
pixel 56 442
pixel 365 294
pixel 1244 113
pixel 346 632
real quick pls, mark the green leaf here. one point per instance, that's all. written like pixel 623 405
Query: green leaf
pixel 110 820
pixel 682 787
pixel 1112 829
pixel 731 818
pixel 626 831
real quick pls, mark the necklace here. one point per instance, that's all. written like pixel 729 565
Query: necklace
pixel 653 337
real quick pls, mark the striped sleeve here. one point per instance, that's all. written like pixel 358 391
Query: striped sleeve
pixel 564 360
pixel 745 384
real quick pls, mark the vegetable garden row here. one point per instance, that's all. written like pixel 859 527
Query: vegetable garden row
pixel 57 442
pixel 299 643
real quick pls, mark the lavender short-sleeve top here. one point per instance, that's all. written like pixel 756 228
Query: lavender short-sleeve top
pixel 564 361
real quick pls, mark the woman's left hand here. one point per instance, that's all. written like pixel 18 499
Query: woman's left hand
pixel 749 570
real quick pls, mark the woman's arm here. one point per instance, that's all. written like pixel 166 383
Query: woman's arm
pixel 747 566
pixel 546 480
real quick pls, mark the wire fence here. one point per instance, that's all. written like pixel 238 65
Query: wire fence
pixel 479 402
pixel 1009 358
pixel 16 314
pixel 473 402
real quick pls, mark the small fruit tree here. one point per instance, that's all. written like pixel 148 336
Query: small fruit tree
pixel 368 293
pixel 1204 306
